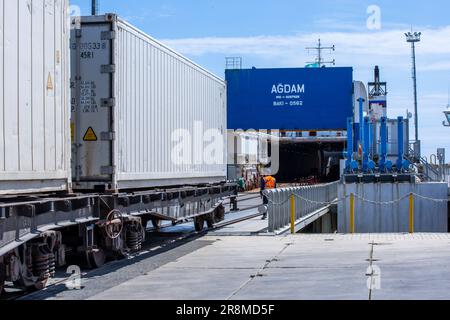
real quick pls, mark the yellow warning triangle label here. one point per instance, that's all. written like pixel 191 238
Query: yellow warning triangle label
pixel 90 135
pixel 49 82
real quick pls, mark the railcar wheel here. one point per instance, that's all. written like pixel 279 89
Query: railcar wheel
pixel 210 221
pixel 220 213
pixel 199 223
pixel 2 277
pixel 96 258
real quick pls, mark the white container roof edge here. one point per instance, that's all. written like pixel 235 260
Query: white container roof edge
pixel 145 36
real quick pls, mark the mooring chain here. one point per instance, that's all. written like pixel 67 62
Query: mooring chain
pixel 381 202
pixel 400 199
pixel 278 203
pixel 430 199
pixel 327 203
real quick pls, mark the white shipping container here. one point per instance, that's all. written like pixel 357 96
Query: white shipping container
pixel 34 96
pixel 130 96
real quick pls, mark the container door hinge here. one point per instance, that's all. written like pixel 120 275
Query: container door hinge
pixel 108 102
pixel 108 136
pixel 108 68
pixel 108 35
pixel 108 170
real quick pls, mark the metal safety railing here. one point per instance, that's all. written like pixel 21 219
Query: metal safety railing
pixel 423 167
pixel 288 205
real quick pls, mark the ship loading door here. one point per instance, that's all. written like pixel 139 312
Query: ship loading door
pixel 300 161
pixel 92 104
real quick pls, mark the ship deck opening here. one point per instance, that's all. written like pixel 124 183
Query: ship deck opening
pixel 303 160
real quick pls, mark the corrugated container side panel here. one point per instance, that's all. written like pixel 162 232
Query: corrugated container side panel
pixel 56 90
pixel 187 87
pixel 181 85
pixel 174 110
pixel 49 58
pixel 33 105
pixel 148 72
pixel 160 93
pixel 125 98
pixel 145 112
pixel 145 104
pixel 156 101
pixel 164 103
pixel 67 139
pixel 122 72
pixel 196 105
pixel 199 114
pixel 2 95
pixel 131 94
pixel 134 110
pixel 171 86
pixel 199 100
pixel 132 106
pixel 38 87
pixel 151 99
pixel 167 114
pixel 11 86
pixel 62 88
pixel 59 89
pixel 24 85
pixel 142 106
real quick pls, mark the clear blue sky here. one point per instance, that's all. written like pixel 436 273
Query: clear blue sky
pixel 274 33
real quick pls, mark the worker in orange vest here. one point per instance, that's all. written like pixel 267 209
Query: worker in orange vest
pixel 270 182
pixel 267 183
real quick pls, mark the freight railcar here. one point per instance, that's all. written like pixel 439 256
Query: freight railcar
pixel 135 103
pixel 34 91
pixel 129 93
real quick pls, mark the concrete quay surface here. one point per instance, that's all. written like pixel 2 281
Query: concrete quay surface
pixel 299 267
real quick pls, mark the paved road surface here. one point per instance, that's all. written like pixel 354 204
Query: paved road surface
pixel 291 267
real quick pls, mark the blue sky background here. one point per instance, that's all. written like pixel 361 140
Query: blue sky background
pixel 275 33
